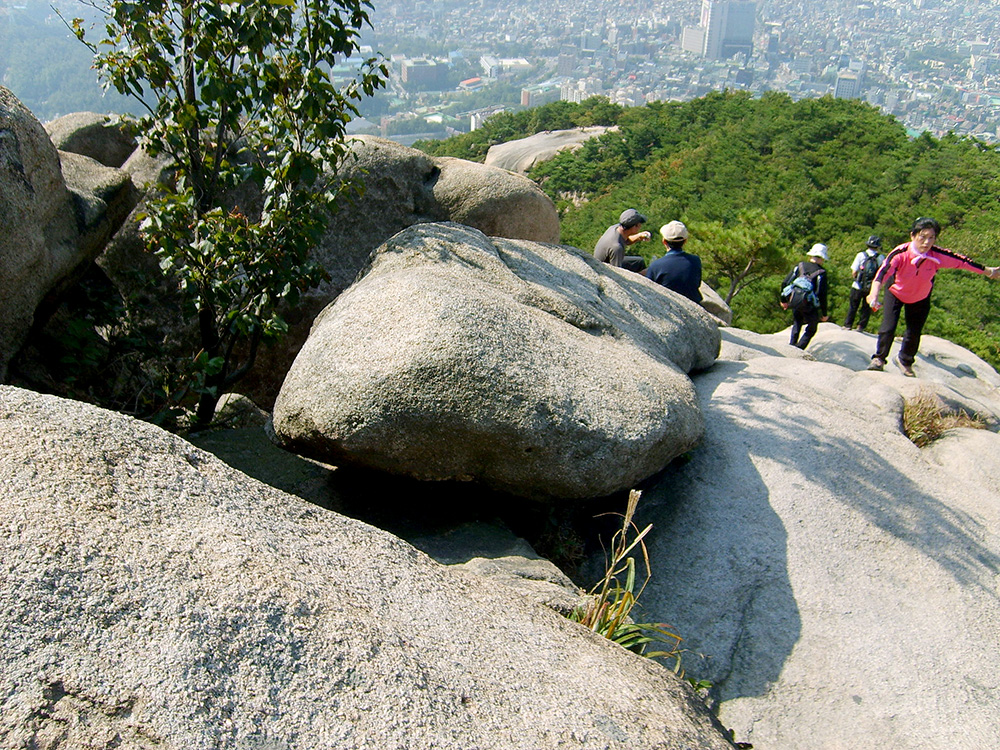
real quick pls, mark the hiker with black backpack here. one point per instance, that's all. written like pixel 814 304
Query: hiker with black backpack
pixel 863 269
pixel 804 293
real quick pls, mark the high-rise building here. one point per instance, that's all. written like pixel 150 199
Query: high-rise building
pixel 727 27
pixel 848 86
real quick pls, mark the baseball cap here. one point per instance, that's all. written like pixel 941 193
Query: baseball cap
pixel 630 217
pixel 675 230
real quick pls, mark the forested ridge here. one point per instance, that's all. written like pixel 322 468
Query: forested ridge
pixel 767 177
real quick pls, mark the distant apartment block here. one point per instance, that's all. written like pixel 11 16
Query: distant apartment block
pixel 423 74
pixel 543 93
pixel 491 66
pixel 848 86
pixel 477 118
pixel 494 67
pixel 693 40
pixel 581 90
pixel 726 29
pixel 984 64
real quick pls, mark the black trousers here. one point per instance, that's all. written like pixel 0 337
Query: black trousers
pixel 915 315
pixel 858 299
pixel 809 319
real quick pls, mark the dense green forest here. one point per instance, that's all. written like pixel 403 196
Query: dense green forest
pixel 765 178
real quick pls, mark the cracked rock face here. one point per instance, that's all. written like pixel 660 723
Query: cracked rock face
pixel 528 367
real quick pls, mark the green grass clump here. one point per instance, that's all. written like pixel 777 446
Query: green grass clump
pixel 925 419
pixel 610 602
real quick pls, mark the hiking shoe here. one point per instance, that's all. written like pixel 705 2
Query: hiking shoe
pixel 878 364
pixel 905 369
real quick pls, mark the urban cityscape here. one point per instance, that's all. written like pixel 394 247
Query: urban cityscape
pixel 934 64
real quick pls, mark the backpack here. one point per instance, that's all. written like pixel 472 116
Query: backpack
pixel 800 293
pixel 866 273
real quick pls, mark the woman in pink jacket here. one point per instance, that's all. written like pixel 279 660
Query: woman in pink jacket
pixel 910 268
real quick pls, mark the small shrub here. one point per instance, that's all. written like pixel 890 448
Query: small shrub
pixel 925 419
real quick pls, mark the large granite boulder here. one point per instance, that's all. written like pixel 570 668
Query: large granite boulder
pixel 837 584
pixel 152 596
pixel 524 153
pixel 404 186
pixel 106 139
pixel 529 367
pixel 39 245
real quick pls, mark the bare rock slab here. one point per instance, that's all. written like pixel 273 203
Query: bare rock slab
pixel 524 153
pixel 840 583
pixel 151 596
pixel 528 367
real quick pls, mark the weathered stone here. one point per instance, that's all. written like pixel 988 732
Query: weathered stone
pixel 103 197
pixel 104 138
pixel 712 302
pixel 529 367
pixel 524 153
pixel 152 596
pixel 39 238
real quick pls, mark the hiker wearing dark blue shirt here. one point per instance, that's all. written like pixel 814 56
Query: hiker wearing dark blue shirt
pixel 677 270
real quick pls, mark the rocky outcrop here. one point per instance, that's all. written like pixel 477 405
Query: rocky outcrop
pixel 103 197
pixel 529 367
pixel 524 153
pixel 840 583
pixel 39 245
pixel 152 596
pixel 104 138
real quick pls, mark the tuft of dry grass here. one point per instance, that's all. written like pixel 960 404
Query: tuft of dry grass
pixel 610 603
pixel 925 419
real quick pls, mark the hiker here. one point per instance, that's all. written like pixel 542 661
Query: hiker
pixel 611 247
pixel 909 270
pixel 677 270
pixel 863 270
pixel 804 292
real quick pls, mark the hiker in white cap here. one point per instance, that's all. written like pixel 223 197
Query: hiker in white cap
pixel 804 292
pixel 677 269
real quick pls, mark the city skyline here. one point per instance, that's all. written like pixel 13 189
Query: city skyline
pixel 935 64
